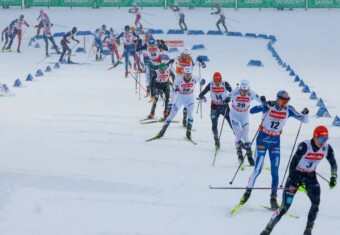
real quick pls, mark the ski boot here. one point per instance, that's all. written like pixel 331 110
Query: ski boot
pixel 239 151
pixel 188 134
pixel 47 55
pixel 18 50
pixel 97 58
pixel 151 116
pixel 185 117
pixel 273 202
pixel 245 196
pixel 249 154
pixel 70 61
pixel 267 230
pixel 309 228
pixel 217 142
pixel 126 74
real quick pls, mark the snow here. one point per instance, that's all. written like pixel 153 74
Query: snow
pixel 73 156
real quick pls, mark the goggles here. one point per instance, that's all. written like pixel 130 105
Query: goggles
pixel 283 101
pixel 322 140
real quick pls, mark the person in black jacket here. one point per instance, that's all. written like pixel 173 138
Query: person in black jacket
pixel 66 40
pixel 219 102
pixel 302 174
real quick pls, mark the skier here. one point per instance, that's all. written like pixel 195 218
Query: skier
pixel 184 86
pixel 177 8
pixel 302 174
pixel 112 45
pixel 8 31
pixel 153 50
pixel 135 10
pixel 241 99
pixel 98 40
pixel 48 36
pixel 17 23
pixel 183 60
pixel 221 20
pixel 43 17
pixel 219 91
pixel 275 115
pixel 129 46
pixel 66 40
pixel 160 82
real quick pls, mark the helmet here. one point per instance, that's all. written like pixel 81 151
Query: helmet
pixel 283 95
pixel 21 17
pixel 186 51
pixel 217 77
pixel 133 28
pixel 104 26
pixel 41 11
pixel 151 41
pixel 321 132
pixel 244 85
pixel 162 66
pixel 187 70
pixel 48 21
pixel 74 30
pixel 127 28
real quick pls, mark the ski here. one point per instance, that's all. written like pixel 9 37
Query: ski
pixel 148 120
pixel 153 138
pixel 287 213
pixel 190 140
pixel 235 209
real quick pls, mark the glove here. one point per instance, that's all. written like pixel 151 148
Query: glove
pixel 202 82
pixel 36 26
pixel 302 187
pixel 212 13
pixel 203 64
pixel 305 111
pixel 332 182
pixel 162 42
pixel 263 99
pixel 271 103
pixel 52 25
pixel 148 90
pixel 227 100
pixel 170 61
pixel 77 41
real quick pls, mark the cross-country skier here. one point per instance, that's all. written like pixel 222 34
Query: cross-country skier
pixel 112 44
pixel 178 8
pixel 66 40
pixel 153 50
pixel 275 115
pixel 221 20
pixel 183 60
pixel 160 82
pixel 128 37
pixel 48 36
pixel 135 10
pixel 98 34
pixel 241 99
pixel 17 23
pixel 302 174
pixel 184 86
pixel 8 31
pixel 43 17
pixel 219 91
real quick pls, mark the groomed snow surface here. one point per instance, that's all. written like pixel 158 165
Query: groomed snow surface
pixel 73 156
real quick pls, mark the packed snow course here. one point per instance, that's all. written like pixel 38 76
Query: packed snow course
pixel 74 158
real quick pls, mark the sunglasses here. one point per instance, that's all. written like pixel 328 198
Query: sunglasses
pixel 322 140
pixel 283 101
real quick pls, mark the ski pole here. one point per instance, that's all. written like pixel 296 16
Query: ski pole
pixel 146 13
pixel 147 22
pixel 199 73
pixel 242 188
pixel 258 130
pixel 62 26
pixel 322 177
pixel 291 154
pixel 42 60
pixel 219 137
pixel 90 50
